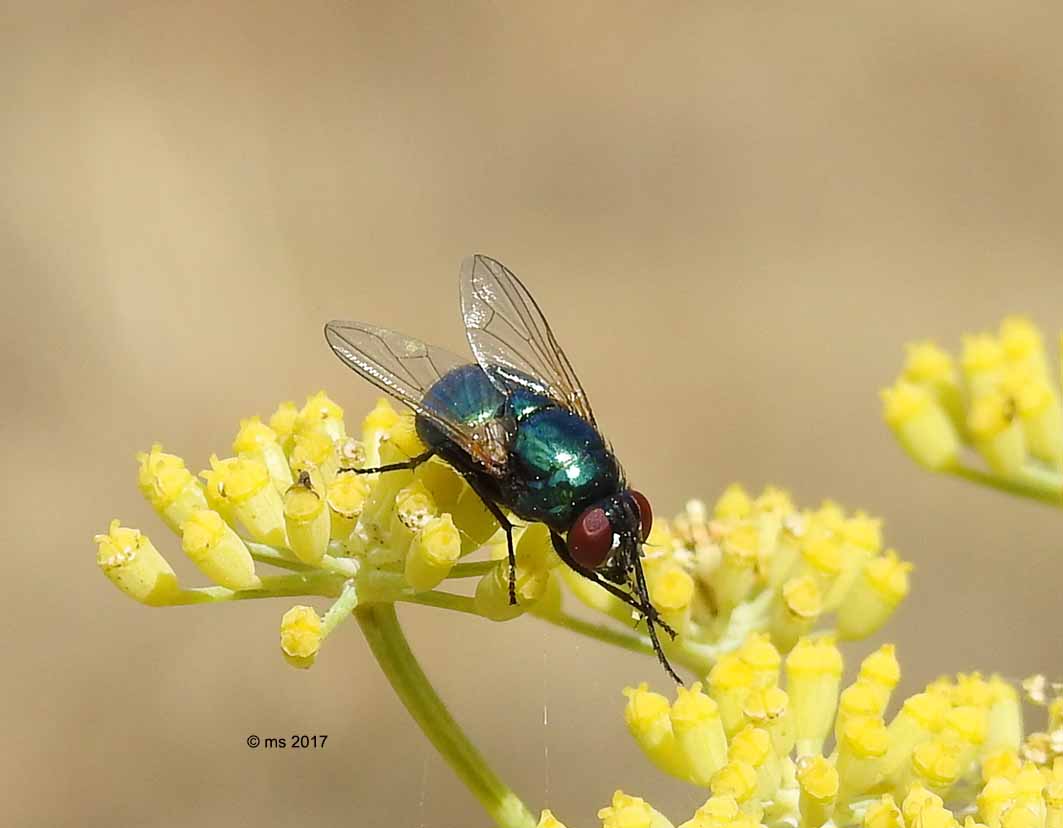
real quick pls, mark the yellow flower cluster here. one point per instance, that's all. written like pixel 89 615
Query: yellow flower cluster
pixel 757 744
pixel 1002 401
pixel 289 497
pixel 758 564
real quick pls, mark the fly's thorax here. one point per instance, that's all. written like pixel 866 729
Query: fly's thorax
pixel 559 465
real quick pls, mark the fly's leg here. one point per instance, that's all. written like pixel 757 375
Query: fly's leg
pixel 640 582
pixel 412 463
pixel 644 606
pixel 507 527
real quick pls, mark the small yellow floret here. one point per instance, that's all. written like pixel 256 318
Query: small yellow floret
pixel 631 812
pixel 217 551
pixel 734 503
pixel 135 566
pixel 307 521
pixel 921 424
pixel 301 635
pixel 283 424
pixel 170 487
pixel 433 553
pixel 548 820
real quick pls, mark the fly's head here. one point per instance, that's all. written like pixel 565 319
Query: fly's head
pixel 608 536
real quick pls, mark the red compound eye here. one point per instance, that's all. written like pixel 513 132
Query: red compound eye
pixel 645 513
pixel 591 538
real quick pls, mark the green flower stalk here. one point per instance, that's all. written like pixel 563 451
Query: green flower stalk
pixel 995 419
pixel 288 516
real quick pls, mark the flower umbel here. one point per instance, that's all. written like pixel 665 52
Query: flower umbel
pixel 952 752
pixel 995 418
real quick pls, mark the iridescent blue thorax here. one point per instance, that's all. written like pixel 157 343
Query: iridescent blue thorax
pixel 557 464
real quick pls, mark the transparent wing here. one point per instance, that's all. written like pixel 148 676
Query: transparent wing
pixel 511 339
pixel 406 368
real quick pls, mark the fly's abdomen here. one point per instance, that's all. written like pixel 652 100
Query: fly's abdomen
pixel 464 394
pixel 559 466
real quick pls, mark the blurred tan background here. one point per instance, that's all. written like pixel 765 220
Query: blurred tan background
pixel 734 214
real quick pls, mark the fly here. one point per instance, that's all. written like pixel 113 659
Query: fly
pixel 516 424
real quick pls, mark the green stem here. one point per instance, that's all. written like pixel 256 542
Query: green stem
pixel 273 586
pixel 1033 482
pixel 681 652
pixel 380 625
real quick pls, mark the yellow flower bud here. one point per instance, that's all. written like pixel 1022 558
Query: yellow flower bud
pixel 813 676
pixel 862 746
pixel 717 812
pixel 736 576
pixel 170 488
pixel 256 440
pixel 345 494
pixel 921 425
pixel 217 551
pixel 937 765
pixel 1003 763
pixel 671 592
pixel 320 413
pixel 241 488
pixel 700 741
pixel 730 682
pixel 301 636
pixel 983 362
pixel 818 781
pixel 648 718
pixel 997 432
pixel 375 428
pixel 768 709
pixel 307 521
pixel 1023 345
pixel 880 587
pixel 934 816
pixel 859 700
pixel 1004 727
pixel 798 610
pixel 931 367
pixel 414 507
pixel 882 669
pixel 631 812
pixel 763 659
pixel 135 566
pixel 884 813
pixel 753 746
pixel 917 800
pixel 919 718
pixel 548 820
pixel 404 437
pixel 435 550
pixel 734 504
pixel 736 779
pixel 996 795
pixel 283 424
pixel 1038 409
pixel 315 449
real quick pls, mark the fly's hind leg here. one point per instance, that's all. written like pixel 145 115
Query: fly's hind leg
pixel 412 463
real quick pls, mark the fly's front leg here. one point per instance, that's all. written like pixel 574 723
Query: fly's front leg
pixel 644 607
pixel 412 463
pixel 644 594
